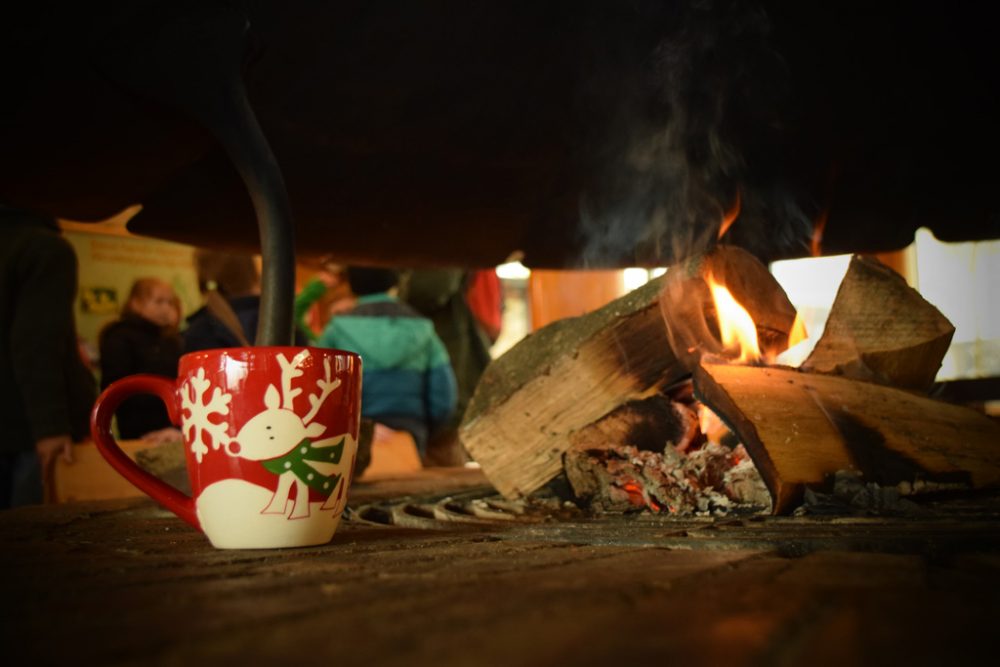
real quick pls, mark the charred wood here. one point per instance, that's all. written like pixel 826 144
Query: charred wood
pixel 649 424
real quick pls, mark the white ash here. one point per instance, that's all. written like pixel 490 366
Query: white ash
pixel 708 472
pixel 710 480
pixel 726 478
pixel 745 485
pixel 920 487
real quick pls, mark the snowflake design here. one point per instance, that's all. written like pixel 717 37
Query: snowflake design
pixel 198 412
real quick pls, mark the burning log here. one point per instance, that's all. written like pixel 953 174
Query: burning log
pixel 560 379
pixel 799 428
pixel 881 329
pixel 590 388
pixel 690 312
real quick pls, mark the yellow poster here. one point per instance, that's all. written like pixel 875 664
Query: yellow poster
pixel 109 264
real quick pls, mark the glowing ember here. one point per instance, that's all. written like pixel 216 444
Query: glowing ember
pixel 736 327
pixel 635 495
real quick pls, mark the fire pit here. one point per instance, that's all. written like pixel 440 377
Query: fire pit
pixel 933 524
pixel 600 398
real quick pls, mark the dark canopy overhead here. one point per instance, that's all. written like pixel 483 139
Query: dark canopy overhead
pixel 577 132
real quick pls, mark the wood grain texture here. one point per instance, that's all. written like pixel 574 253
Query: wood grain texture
pixel 125 583
pixel 561 378
pixel 800 427
pixel 881 329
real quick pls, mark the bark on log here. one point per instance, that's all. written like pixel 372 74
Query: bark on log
pixel 800 427
pixel 689 311
pixel 561 378
pixel 881 329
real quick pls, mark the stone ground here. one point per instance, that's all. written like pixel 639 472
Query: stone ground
pixel 123 582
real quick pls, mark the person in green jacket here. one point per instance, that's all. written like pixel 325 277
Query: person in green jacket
pixel 407 379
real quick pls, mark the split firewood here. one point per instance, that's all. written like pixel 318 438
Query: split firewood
pixel 690 313
pixel 881 329
pixel 799 428
pixel 560 379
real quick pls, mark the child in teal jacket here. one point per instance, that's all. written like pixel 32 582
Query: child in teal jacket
pixel 407 383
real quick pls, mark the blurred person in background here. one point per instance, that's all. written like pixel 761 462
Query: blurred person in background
pixel 407 382
pixel 230 283
pixel 46 391
pixel 440 295
pixel 143 340
pixel 329 289
pixel 484 294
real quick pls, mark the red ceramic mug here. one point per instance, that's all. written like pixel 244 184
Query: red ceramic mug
pixel 270 438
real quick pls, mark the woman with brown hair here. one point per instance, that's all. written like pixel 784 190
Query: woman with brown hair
pixel 143 340
pixel 230 285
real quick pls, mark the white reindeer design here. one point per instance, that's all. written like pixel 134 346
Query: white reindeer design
pixel 272 435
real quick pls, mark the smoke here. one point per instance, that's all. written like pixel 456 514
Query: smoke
pixel 698 127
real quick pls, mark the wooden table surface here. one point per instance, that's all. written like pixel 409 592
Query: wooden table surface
pixel 123 582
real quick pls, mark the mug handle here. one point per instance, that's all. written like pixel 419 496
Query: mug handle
pixel 100 430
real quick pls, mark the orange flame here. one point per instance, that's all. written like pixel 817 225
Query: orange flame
pixel 816 247
pixel 798 332
pixel 730 217
pixel 798 347
pixel 736 327
pixel 713 428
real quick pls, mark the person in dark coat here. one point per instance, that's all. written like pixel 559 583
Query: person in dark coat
pixel 46 391
pixel 231 286
pixel 143 340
